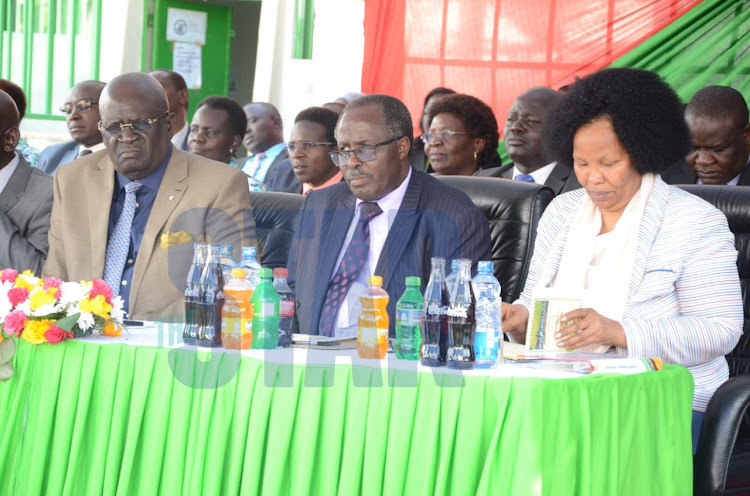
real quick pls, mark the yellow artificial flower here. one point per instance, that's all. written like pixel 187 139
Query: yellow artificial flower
pixel 111 329
pixel 20 282
pixel 39 298
pixel 28 272
pixel 34 330
pixel 1 337
pixel 98 306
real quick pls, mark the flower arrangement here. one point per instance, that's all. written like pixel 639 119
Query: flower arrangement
pixel 50 311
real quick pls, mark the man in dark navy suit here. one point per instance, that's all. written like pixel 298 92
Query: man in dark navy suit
pixel 386 219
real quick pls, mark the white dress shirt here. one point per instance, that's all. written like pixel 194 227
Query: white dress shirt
pixel 179 138
pixel 346 321
pixel 540 175
pixel 94 149
pixel 8 171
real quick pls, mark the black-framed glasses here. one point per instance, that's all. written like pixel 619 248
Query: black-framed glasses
pixel 304 146
pixel 364 153
pixel 81 105
pixel 138 127
pixel 208 132
pixel 442 136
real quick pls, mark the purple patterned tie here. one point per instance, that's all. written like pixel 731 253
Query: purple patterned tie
pixel 527 178
pixel 351 265
pixel 119 242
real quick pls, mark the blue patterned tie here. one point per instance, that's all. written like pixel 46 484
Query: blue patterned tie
pixel 119 242
pixel 351 265
pixel 528 178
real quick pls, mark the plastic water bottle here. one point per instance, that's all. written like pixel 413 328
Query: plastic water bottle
pixel 286 306
pixel 265 302
pixel 461 320
pixel 409 321
pixel 226 262
pixel 488 330
pixel 373 322
pixel 450 280
pixel 251 265
pixel 237 313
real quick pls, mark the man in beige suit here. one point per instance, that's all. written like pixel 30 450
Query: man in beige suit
pixel 130 215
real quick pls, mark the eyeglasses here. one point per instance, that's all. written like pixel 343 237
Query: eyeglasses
pixel 304 146
pixel 207 132
pixel 138 127
pixel 442 136
pixel 364 153
pixel 81 105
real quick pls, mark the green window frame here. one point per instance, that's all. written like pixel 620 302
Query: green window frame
pixel 46 46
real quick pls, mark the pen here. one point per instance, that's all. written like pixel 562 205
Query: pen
pixel 132 322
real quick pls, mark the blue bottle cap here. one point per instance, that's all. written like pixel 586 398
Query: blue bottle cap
pixel 484 267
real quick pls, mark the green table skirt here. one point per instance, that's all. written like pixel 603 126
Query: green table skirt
pixel 115 419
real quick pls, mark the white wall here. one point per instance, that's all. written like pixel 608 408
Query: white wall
pixel 336 66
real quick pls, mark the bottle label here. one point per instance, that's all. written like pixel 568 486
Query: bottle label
pixel 459 312
pixel 436 309
pixel 286 308
pixel 409 317
pixel 266 309
pixel 368 334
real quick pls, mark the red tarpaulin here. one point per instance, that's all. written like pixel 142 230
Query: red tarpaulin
pixel 496 49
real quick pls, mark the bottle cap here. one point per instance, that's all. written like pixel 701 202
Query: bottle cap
pixel 280 272
pixel 249 251
pixel 375 281
pixel 239 273
pixel 225 249
pixel 413 281
pixel 485 267
pixel 265 272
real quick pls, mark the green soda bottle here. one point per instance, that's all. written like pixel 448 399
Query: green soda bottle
pixel 409 321
pixel 265 302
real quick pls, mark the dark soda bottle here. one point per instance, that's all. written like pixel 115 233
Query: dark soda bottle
pixel 192 294
pixel 434 317
pixel 212 291
pixel 461 320
pixel 286 306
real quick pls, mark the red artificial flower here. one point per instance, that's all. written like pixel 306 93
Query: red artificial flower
pixel 99 287
pixel 16 296
pixel 53 282
pixel 15 322
pixel 9 275
pixel 55 335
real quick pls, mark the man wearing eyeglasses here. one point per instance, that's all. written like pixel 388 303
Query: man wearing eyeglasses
pixel 523 142
pixel 386 219
pixel 25 199
pixel 81 109
pixel 130 216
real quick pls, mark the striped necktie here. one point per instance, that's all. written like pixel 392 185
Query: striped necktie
pixel 119 242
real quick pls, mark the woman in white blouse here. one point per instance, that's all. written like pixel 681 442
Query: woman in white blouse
pixel 657 264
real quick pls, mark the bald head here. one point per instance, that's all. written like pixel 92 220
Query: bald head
pixel 82 114
pixel 135 98
pixel 177 94
pixel 8 128
pixel 523 128
pixel 264 127
pixel 718 103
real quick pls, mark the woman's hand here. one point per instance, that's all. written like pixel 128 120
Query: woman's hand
pixel 515 319
pixel 592 328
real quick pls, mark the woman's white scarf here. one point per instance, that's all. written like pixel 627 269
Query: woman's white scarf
pixel 607 292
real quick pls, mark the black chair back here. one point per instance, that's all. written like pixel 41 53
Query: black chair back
pixel 275 219
pixel 513 210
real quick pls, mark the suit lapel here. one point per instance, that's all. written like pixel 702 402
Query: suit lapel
pixel 101 181
pixel 401 231
pixel 16 185
pixel 556 179
pixel 649 228
pixel 173 186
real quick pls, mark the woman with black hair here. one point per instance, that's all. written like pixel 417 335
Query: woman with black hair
pixel 656 265
pixel 462 137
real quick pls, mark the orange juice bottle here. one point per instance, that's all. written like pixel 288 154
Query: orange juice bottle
pixel 372 339
pixel 237 313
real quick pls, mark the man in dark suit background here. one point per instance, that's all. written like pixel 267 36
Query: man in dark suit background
pixel 264 140
pixel 25 199
pixel 523 142
pixel 717 117
pixel 81 109
pixel 178 97
pixel 387 220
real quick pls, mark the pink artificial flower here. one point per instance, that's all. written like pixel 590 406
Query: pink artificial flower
pixel 53 282
pixel 99 287
pixel 55 335
pixel 15 322
pixel 16 296
pixel 9 275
